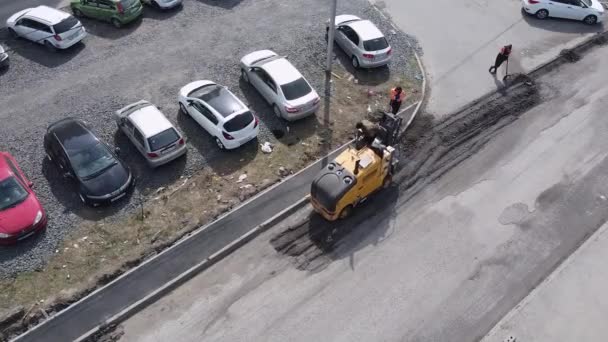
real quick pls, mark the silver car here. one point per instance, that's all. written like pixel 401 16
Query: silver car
pixel 3 58
pixel 361 40
pixel 281 84
pixel 151 132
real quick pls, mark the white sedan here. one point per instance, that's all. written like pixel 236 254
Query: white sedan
pixel 588 11
pixel 281 84
pixel 215 108
pixel 44 25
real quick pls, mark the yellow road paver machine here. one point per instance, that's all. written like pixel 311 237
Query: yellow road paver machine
pixel 365 167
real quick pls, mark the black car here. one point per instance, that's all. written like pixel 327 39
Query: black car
pixel 101 177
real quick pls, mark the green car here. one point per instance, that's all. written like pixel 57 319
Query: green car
pixel 118 12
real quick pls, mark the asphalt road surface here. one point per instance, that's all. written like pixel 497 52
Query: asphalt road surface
pixel 150 59
pixel 460 40
pixel 442 263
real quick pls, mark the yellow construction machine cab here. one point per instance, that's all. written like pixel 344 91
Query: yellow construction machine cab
pixel 363 168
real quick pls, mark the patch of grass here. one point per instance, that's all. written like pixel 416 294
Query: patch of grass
pixel 98 252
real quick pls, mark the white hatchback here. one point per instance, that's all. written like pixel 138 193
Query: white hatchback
pixel 215 108
pixel 44 25
pixel 281 84
pixel 151 132
pixel 588 11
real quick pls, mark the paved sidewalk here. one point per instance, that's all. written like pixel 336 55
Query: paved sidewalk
pixel 571 305
pixel 460 40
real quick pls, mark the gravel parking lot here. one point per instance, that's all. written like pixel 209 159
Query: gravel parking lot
pixel 151 59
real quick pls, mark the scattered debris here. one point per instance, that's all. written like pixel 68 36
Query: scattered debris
pixel 283 171
pixel 75 245
pixel 392 32
pixel 336 75
pixel 370 93
pixel 266 147
pixel 602 197
pixel 242 178
pixel 351 77
pixel 246 186
pixel 356 81
pixel 159 190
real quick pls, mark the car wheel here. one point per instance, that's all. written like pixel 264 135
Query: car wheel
pixel 156 5
pixel 345 213
pixel 77 12
pixel 116 23
pixel 355 62
pixel 244 75
pixel 590 20
pixel 542 14
pixel 277 111
pixel 183 109
pixel 49 46
pixel 12 33
pixel 219 143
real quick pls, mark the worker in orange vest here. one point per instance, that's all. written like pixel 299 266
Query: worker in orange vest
pixel 502 56
pixel 397 96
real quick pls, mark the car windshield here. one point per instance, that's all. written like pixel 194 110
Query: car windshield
pixel 65 25
pixel 127 3
pixel 163 139
pixel 218 97
pixel 375 44
pixel 11 193
pixel 296 89
pixel 92 161
pixel 239 122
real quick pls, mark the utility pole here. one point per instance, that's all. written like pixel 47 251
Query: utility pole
pixel 330 35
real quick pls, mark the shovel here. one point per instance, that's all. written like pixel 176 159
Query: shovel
pixel 506 76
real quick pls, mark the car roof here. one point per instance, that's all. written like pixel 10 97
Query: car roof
pixel 73 134
pixel 150 121
pixel 365 29
pixel 219 98
pixel 45 13
pixel 282 71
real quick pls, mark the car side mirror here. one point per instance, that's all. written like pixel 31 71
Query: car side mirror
pixel 117 150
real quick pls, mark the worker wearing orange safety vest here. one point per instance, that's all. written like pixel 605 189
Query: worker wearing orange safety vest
pixel 397 96
pixel 502 56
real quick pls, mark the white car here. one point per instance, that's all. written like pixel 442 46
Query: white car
pixel 44 25
pixel 281 84
pixel 151 132
pixel 3 58
pixel 162 4
pixel 219 112
pixel 589 11
pixel 361 40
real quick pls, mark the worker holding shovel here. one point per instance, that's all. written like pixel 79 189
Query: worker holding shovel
pixel 502 56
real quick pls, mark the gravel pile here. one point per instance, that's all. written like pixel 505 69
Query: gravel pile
pixel 151 60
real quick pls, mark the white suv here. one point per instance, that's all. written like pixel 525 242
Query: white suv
pixel 44 25
pixel 219 112
pixel 589 11
pixel 151 132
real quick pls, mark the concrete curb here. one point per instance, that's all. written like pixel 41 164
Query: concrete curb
pixel 193 271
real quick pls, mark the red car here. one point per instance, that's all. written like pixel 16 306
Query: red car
pixel 21 215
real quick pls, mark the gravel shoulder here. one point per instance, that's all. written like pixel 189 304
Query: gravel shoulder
pixel 83 248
